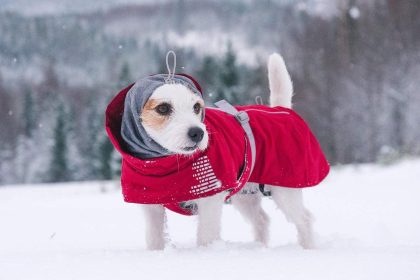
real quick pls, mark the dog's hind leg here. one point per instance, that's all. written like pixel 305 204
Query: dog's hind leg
pixel 249 205
pixel 290 201
pixel 209 218
pixel 155 226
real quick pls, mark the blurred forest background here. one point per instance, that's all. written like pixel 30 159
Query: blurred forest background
pixel 355 66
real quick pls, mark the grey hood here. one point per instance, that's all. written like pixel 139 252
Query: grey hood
pixel 138 142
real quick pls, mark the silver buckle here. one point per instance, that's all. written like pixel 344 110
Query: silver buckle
pixel 242 117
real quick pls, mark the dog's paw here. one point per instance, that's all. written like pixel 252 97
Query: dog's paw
pixel 155 247
pixel 206 243
pixel 155 244
pixel 307 242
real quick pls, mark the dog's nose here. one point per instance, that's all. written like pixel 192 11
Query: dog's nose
pixel 195 134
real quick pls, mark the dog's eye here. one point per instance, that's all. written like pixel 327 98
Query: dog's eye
pixel 164 109
pixel 197 108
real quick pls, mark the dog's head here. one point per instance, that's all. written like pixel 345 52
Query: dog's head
pixel 173 117
pixel 162 118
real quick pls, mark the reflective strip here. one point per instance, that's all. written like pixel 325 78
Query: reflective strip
pixel 243 118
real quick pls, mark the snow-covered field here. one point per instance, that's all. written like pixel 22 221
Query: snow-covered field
pixel 368 222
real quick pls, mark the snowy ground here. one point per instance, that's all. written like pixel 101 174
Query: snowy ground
pixel 367 220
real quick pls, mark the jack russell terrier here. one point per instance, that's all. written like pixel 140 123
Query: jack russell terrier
pixel 180 155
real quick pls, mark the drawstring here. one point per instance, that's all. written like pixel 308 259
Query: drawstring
pixel 171 73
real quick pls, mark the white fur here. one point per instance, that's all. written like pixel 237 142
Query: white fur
pixel 209 218
pixel 155 226
pixel 174 136
pixel 288 200
pixel 281 86
pixel 249 205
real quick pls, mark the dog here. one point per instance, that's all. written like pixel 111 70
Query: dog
pixel 173 118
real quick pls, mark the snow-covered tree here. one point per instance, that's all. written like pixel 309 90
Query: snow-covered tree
pixel 59 165
pixel 229 77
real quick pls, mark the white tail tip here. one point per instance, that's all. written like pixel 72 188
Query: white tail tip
pixel 281 87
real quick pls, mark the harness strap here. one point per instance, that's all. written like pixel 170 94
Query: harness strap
pixel 263 191
pixel 243 118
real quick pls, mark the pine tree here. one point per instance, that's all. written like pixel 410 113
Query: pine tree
pixel 8 120
pixel 116 165
pixel 28 114
pixel 106 151
pixel 229 77
pixel 124 78
pixel 256 84
pixel 89 142
pixel 207 76
pixel 25 148
pixel 107 163
pixel 59 171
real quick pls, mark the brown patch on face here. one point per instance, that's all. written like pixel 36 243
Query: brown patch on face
pixel 201 103
pixel 150 117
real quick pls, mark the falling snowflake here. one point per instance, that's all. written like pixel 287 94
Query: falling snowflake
pixel 354 12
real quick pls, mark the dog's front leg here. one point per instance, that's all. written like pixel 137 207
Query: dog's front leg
pixel 209 218
pixel 155 220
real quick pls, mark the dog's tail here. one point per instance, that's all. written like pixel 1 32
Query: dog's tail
pixel 281 87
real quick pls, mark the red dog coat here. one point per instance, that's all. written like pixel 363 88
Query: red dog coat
pixel 287 154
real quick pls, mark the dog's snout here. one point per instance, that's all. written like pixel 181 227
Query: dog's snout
pixel 195 134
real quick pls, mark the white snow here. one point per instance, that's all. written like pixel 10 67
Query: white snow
pixel 367 221
pixel 354 12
